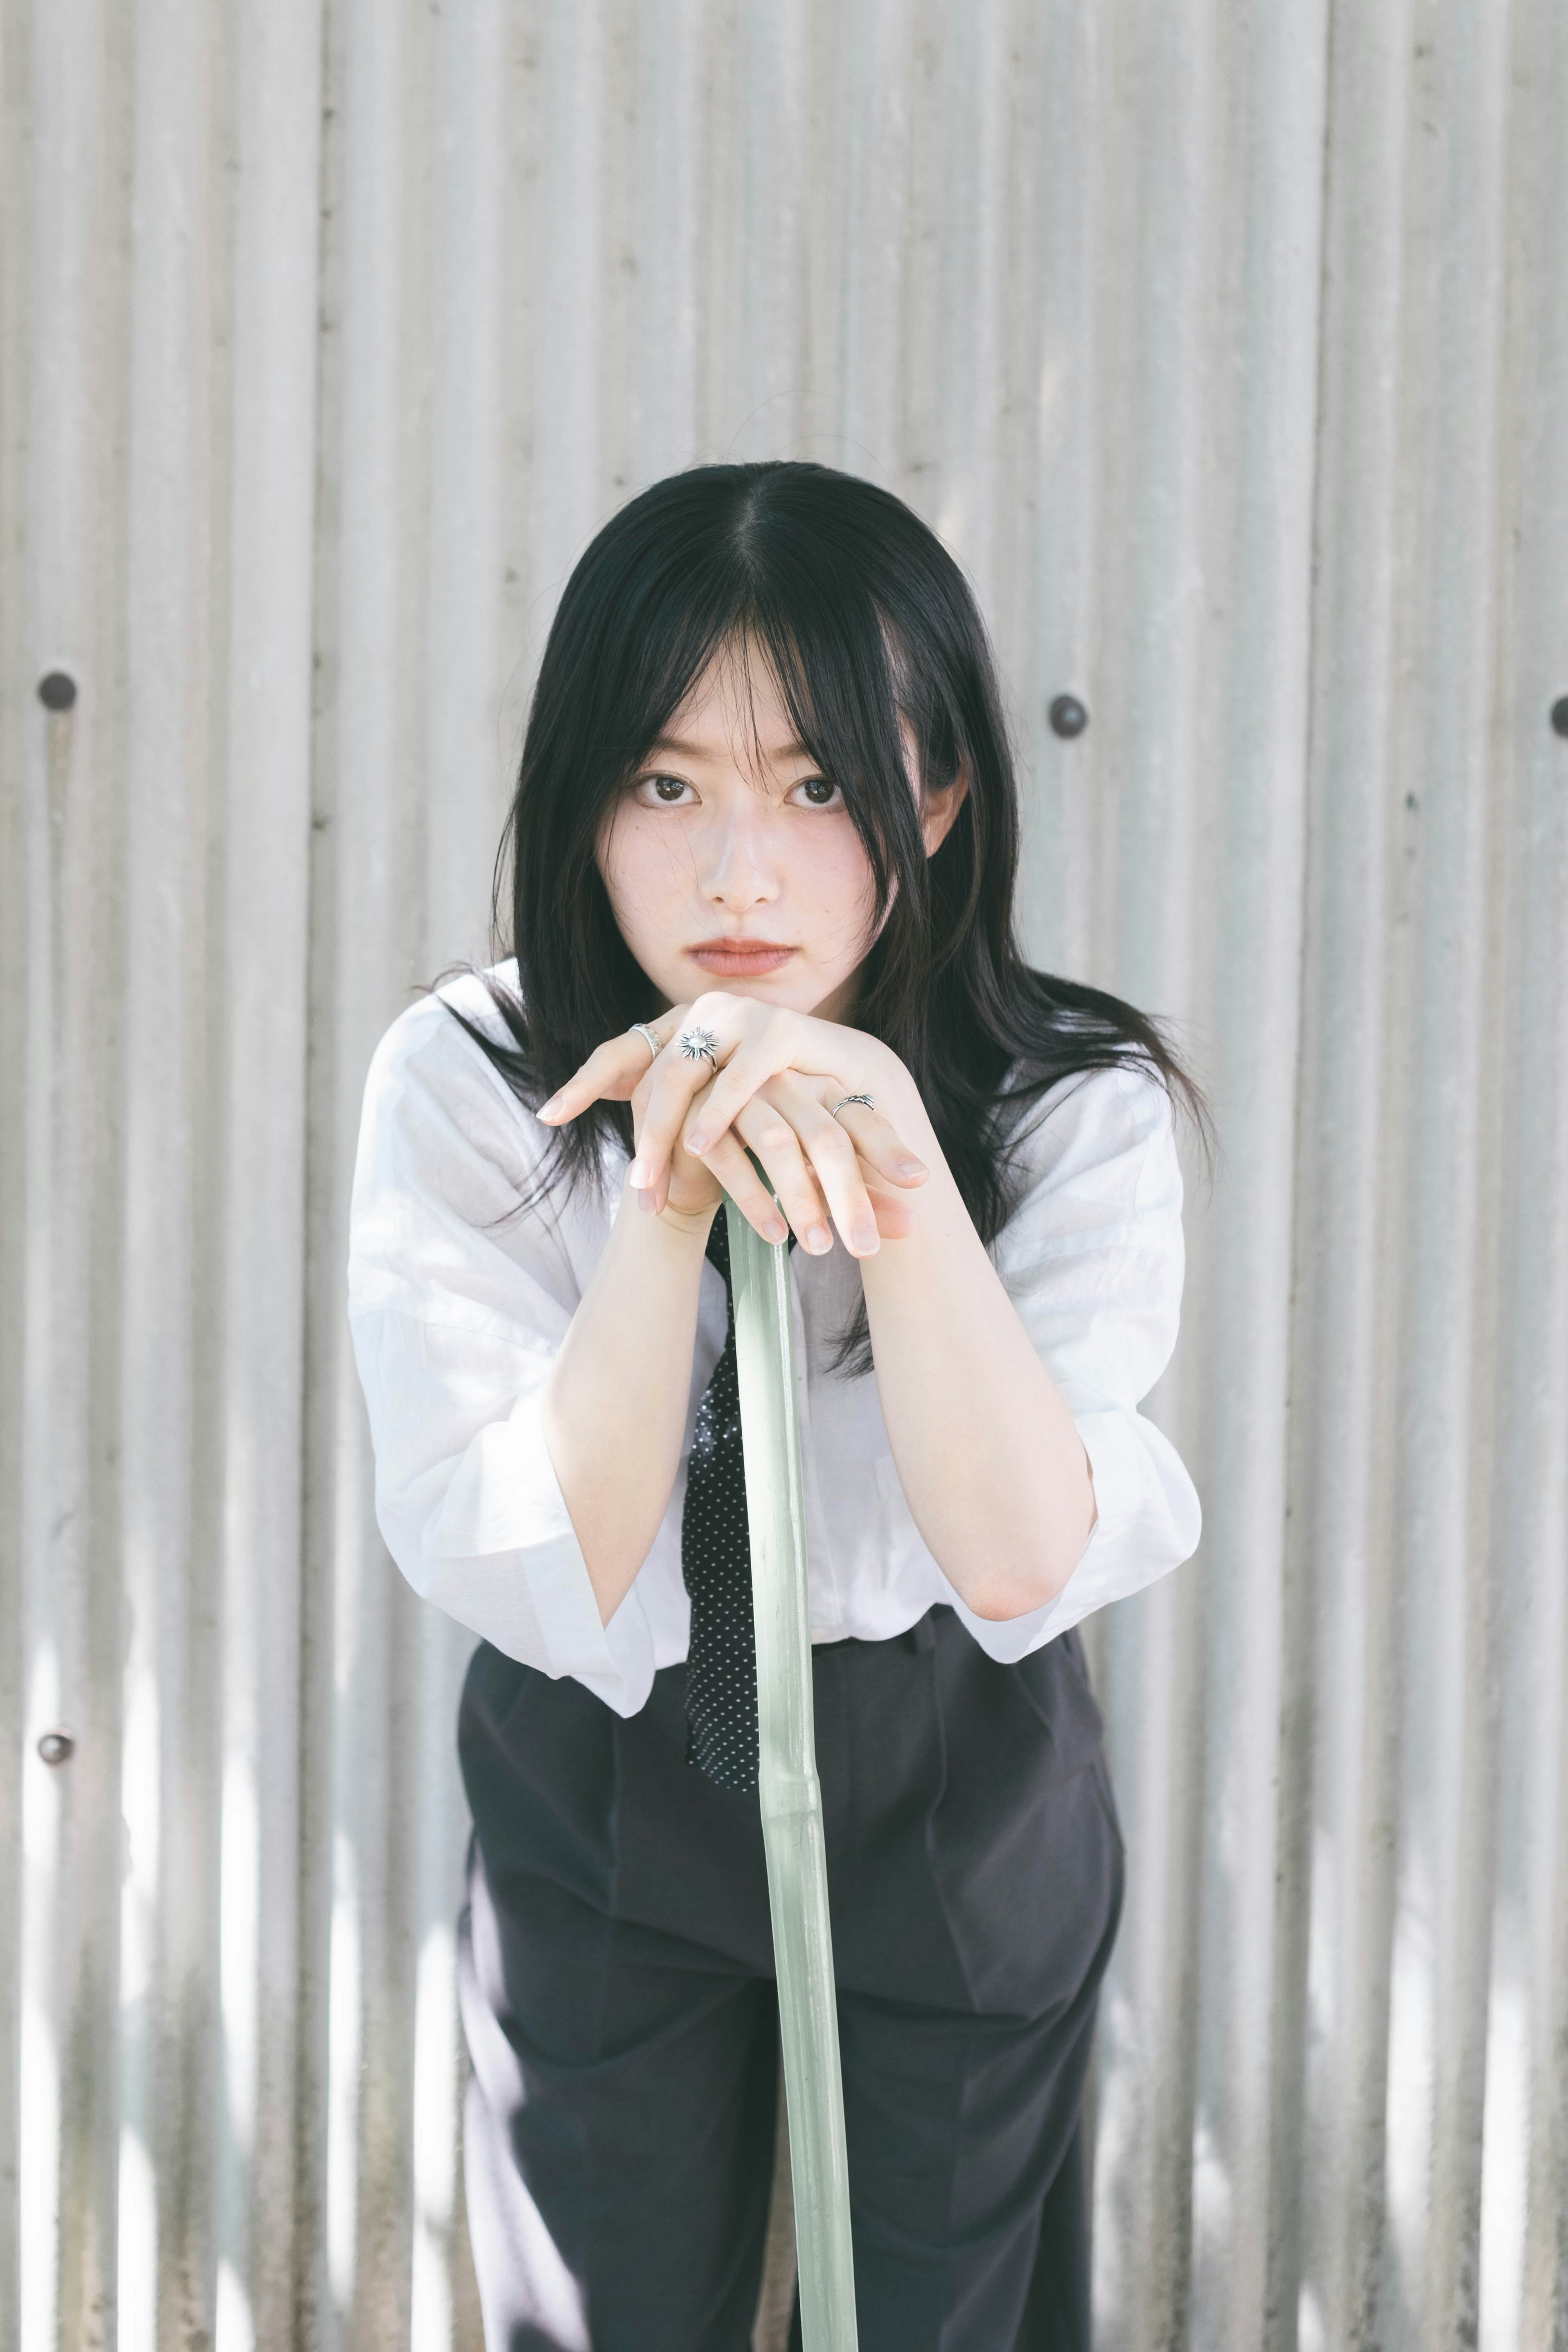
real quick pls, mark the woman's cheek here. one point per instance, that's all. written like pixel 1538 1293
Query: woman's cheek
pixel 644 882
pixel 842 885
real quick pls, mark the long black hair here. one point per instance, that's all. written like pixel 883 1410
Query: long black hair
pixel 865 619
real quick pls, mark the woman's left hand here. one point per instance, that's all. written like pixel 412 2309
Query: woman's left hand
pixel 768 1082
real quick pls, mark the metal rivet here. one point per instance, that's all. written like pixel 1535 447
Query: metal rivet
pixel 56 690
pixel 56 1747
pixel 1067 716
pixel 1560 715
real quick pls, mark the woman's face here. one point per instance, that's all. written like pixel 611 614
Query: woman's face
pixel 732 862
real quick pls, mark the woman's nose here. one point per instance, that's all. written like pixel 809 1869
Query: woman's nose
pixel 741 870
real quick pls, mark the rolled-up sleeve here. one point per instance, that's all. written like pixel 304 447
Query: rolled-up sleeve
pixel 1093 1261
pixel 461 1287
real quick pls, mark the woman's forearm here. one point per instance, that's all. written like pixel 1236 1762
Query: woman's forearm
pixel 987 1452
pixel 616 1405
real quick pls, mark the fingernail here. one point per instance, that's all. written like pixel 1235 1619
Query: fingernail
pixel 648 1201
pixel 696 1142
pixel 548 1109
pixel 865 1240
pixel 775 1230
pixel 819 1240
pixel 911 1168
pixel 637 1174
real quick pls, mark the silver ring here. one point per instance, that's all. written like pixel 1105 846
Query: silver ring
pixel 649 1037
pixel 701 1045
pixel 869 1101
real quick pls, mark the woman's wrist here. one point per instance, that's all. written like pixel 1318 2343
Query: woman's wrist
pixel 684 1230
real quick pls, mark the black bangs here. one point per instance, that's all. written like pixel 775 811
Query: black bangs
pixel 871 632
pixel 836 681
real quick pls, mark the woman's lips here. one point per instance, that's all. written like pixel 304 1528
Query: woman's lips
pixel 739 958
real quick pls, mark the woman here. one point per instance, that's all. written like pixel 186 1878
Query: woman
pixel 764 846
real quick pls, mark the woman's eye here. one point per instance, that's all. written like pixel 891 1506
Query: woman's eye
pixel 817 792
pixel 661 792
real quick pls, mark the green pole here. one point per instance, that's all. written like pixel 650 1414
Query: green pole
pixel 790 1791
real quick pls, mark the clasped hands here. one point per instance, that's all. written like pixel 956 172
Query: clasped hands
pixel 769 1089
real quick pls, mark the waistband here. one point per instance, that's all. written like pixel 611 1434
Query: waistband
pixel 920 1635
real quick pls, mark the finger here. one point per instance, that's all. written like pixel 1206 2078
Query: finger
pixel 655 1193
pixel 758 1055
pixel 834 1163
pixel 729 1162
pixel 665 1100
pixel 766 1131
pixel 878 1143
pixel 697 1037
pixel 612 1073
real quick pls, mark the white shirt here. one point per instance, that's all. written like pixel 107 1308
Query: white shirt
pixel 459 1303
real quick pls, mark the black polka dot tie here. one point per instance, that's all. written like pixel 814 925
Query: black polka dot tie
pixel 716 1562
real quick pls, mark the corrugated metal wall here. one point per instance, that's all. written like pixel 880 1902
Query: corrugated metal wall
pixel 1227 345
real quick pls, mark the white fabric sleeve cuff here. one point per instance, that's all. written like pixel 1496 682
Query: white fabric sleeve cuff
pixel 1148 1521
pixel 533 1599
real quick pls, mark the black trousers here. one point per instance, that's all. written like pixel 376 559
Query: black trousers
pixel 616 1967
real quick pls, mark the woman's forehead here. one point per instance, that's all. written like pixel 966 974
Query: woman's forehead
pixel 733 711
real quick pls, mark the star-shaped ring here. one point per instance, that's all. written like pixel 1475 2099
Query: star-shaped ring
pixel 698 1045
